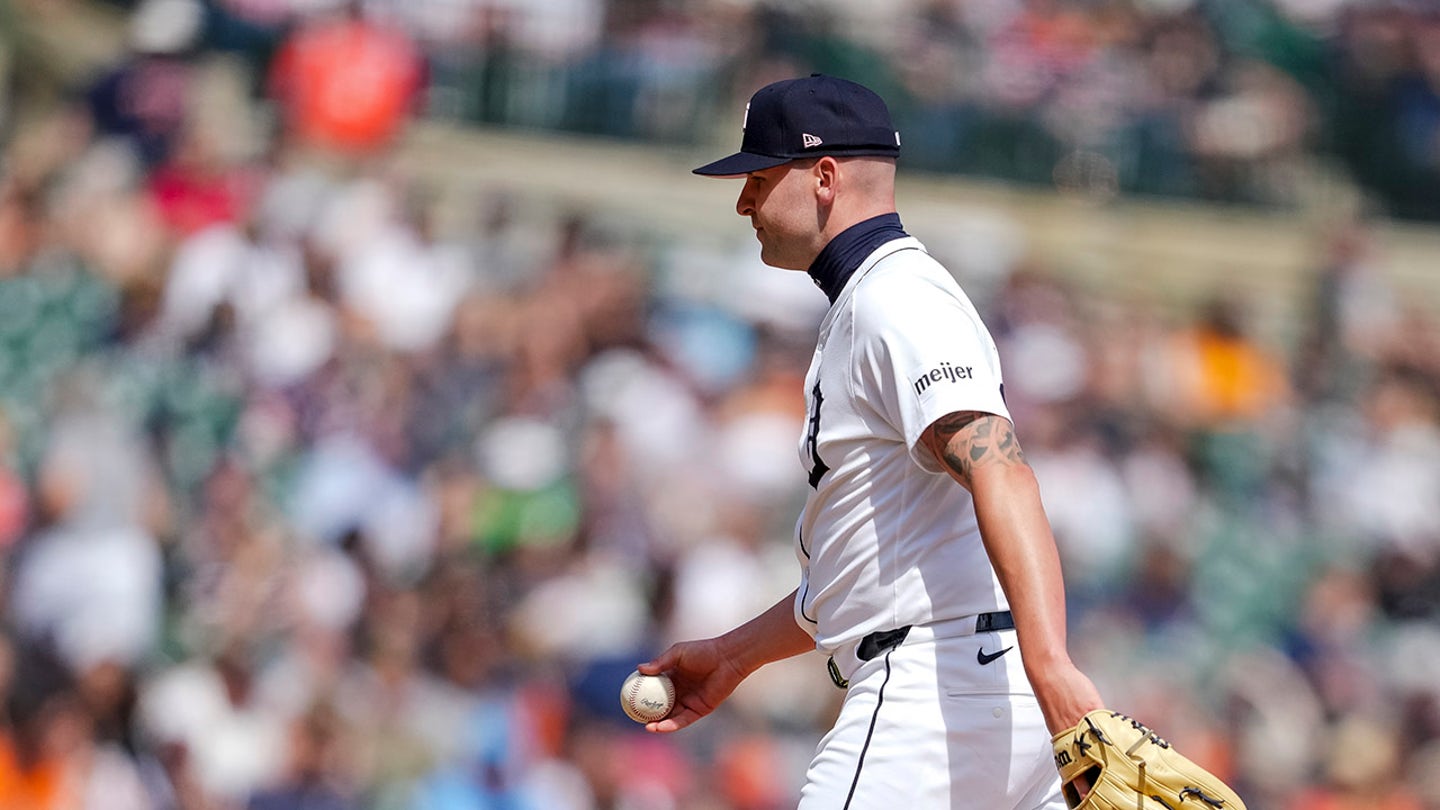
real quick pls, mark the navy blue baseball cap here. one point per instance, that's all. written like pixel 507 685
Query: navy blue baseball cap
pixel 801 118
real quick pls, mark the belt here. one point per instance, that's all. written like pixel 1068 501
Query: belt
pixel 884 640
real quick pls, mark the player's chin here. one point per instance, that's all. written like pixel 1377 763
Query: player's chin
pixel 774 259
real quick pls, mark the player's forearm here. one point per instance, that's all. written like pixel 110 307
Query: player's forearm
pixel 1022 550
pixel 771 636
pixel 980 451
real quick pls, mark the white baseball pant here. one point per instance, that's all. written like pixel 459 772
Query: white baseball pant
pixel 927 726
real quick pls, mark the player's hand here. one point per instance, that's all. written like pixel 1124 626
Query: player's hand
pixel 703 674
pixel 1065 694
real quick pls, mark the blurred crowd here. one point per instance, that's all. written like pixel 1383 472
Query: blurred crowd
pixel 321 487
pixel 1255 101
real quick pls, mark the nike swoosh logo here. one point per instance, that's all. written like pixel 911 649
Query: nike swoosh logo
pixel 985 658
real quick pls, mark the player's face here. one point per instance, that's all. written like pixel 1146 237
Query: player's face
pixel 780 203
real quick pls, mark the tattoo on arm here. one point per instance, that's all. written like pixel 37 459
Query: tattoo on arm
pixel 969 440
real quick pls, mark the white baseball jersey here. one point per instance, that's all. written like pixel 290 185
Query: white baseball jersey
pixel 887 539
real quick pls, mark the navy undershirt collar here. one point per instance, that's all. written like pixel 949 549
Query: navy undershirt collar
pixel 849 249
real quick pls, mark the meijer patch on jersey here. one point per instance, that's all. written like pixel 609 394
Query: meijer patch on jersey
pixel 945 372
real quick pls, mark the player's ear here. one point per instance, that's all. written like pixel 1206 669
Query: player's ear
pixel 826 175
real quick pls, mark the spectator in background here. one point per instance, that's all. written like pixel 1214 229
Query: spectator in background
pixel 50 755
pixel 1362 763
pixel 1352 320
pixel 206 714
pixel 346 83
pixel 96 497
pixel 197 187
pixel 1249 139
pixel 315 778
pixel 1224 376
pixel 37 753
pixel 1387 121
pixel 1387 494
pixel 145 98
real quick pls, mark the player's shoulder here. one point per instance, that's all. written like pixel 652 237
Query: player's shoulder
pixel 905 265
pixel 908 279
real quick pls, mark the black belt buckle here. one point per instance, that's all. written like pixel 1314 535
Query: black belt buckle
pixel 991 622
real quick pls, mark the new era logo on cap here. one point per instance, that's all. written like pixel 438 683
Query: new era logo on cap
pixel 801 118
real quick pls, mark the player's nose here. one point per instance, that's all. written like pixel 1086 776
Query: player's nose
pixel 745 204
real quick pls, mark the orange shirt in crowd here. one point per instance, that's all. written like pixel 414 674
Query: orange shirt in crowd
pixel 45 785
pixel 1219 378
pixel 347 84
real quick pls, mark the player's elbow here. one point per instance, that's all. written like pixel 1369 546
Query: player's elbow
pixel 1012 476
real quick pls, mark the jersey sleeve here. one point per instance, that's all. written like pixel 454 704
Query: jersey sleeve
pixel 922 353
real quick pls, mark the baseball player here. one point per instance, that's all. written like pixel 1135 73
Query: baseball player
pixel 928 572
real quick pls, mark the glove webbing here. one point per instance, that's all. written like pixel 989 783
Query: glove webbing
pixel 1151 737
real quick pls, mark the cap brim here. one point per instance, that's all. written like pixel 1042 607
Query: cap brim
pixel 740 163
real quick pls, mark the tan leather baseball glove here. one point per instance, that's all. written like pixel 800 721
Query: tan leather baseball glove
pixel 1108 761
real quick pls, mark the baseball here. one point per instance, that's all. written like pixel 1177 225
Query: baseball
pixel 647 697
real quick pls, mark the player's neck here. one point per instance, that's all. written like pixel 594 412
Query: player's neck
pixel 843 254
